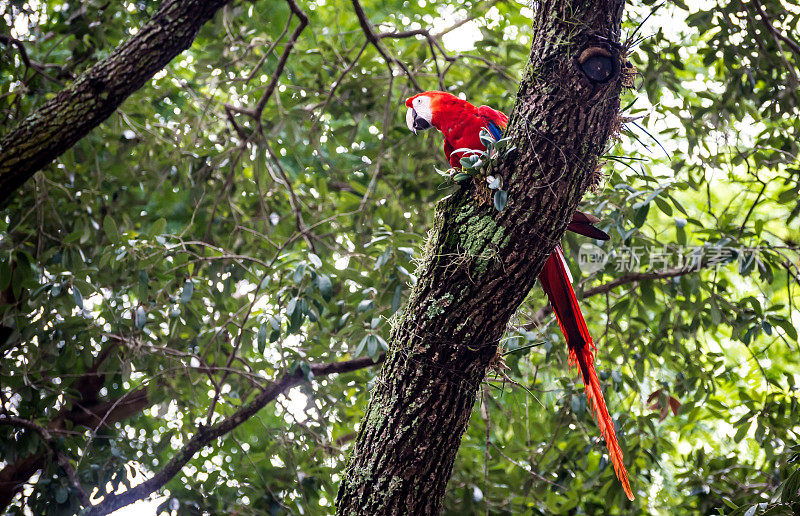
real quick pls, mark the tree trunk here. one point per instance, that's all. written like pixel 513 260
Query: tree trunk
pixel 480 264
pixel 59 123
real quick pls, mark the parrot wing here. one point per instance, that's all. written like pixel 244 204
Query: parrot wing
pixel 496 121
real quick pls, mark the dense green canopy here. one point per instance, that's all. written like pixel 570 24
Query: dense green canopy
pixel 216 234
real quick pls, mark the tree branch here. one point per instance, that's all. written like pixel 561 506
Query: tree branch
pixel 255 112
pixel 59 123
pixel 775 32
pixel 61 457
pixel 375 40
pixel 26 60
pixel 208 434
pixel 632 277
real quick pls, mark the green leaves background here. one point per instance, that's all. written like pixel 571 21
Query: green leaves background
pixel 167 236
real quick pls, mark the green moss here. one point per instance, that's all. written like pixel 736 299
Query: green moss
pixel 497 238
pixel 477 232
pixel 437 305
pixel 464 213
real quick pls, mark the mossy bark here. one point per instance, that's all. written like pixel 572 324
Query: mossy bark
pixel 481 264
pixel 60 122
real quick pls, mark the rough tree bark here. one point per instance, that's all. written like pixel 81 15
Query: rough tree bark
pixel 59 123
pixel 480 263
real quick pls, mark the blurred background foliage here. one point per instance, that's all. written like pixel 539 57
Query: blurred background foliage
pixel 208 254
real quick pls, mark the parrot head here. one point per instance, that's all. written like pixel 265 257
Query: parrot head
pixel 420 115
pixel 425 109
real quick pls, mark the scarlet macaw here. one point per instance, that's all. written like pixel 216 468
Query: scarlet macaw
pixel 460 122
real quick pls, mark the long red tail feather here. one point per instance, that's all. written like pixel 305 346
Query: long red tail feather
pixel 557 284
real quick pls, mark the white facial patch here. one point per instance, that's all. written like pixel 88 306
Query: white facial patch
pixel 422 105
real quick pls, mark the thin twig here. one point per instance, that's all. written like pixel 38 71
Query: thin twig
pixel 528 470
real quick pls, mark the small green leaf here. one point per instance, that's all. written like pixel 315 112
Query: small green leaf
pixel 486 138
pixel 578 404
pixel 262 338
pixel 788 327
pixel 144 281
pixel 500 199
pixel 158 227
pixel 77 297
pixel 741 432
pixel 640 215
pixel 110 228
pixel 382 259
pixel 664 206
pixel 62 495
pixel 291 306
pixel 469 161
pixel 397 298
pixel 758 226
pixel 295 321
pixel 361 346
pixel 186 293
pixel 275 322
pixel 5 275
pixel 461 176
pixel 141 317
pixel 372 347
pixel 364 305
pixel 299 272
pixel 315 260
pixel 325 286
pixel 787 195
pixel 305 370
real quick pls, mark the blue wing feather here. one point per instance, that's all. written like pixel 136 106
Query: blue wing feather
pixel 495 130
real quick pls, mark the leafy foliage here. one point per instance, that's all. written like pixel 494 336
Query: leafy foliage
pixel 191 251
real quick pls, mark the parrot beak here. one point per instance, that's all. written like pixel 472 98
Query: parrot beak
pixel 415 122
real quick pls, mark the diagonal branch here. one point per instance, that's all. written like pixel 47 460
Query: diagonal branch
pixel 633 277
pixel 775 32
pixel 61 457
pixel 375 39
pixel 80 107
pixel 447 334
pixel 255 112
pixel 207 435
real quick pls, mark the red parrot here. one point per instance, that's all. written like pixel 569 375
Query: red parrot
pixel 460 122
